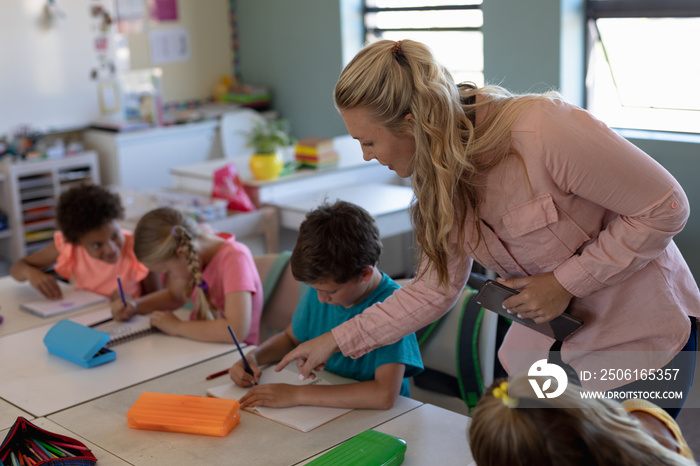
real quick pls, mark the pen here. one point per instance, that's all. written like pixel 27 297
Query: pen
pixel 245 361
pixel 109 319
pixel 218 374
pixel 121 290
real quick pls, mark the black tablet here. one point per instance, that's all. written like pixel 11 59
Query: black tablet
pixel 491 297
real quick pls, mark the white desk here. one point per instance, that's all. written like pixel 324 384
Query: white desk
pixel 433 435
pixel 32 373
pixel 351 170
pixel 9 413
pixel 13 293
pixel 255 440
pixel 388 204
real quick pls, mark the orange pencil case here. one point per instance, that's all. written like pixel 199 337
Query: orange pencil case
pixel 187 414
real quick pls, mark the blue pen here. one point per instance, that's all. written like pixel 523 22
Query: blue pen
pixel 245 361
pixel 121 290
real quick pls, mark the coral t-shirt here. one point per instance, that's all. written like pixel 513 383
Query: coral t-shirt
pixel 87 273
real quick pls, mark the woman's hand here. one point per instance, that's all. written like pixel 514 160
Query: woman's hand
pixel 44 283
pixel 274 395
pixel 241 377
pixel 311 355
pixel 166 322
pixel 541 297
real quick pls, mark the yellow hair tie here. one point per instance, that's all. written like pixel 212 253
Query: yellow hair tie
pixel 502 392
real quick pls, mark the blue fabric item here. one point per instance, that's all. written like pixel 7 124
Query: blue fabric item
pixel 313 318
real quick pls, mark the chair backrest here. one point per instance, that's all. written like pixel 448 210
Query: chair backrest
pixel 233 128
pixel 461 347
pixel 281 290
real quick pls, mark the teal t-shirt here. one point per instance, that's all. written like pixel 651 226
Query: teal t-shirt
pixel 313 318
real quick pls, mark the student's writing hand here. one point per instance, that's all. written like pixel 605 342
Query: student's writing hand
pixel 274 395
pixel 241 377
pixel 45 284
pixel 541 297
pixel 119 311
pixel 311 355
pixel 166 322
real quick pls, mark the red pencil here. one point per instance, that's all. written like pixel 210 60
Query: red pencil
pixel 70 445
pixel 217 374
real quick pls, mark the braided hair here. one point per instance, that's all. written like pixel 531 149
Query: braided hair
pixel 159 235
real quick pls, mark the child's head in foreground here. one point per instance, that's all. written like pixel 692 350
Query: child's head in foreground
pixel 511 426
pixel 336 252
pixel 88 215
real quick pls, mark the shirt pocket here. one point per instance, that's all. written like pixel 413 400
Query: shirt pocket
pixel 547 233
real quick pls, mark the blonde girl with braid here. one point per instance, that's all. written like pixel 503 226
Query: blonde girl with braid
pixel 561 207
pixel 217 273
pixel 511 426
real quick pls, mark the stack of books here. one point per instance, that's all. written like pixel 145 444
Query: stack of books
pixel 316 153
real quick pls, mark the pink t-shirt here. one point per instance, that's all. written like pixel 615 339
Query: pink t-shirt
pixel 598 212
pixel 232 269
pixel 87 273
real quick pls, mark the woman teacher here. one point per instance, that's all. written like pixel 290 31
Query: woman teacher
pixel 551 199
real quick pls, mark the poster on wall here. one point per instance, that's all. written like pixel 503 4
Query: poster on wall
pixel 169 45
pixel 130 16
pixel 163 10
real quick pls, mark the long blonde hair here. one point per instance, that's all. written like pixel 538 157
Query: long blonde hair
pixel 564 431
pixel 158 236
pixel 392 79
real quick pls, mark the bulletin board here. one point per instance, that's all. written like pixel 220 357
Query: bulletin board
pixel 46 65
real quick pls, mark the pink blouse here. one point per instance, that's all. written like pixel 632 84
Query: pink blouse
pixel 87 273
pixel 233 269
pixel 598 212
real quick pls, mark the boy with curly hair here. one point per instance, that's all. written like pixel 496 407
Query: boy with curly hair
pixel 90 248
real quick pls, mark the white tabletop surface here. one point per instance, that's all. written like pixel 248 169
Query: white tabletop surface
pixel 32 373
pixel 433 435
pixel 104 458
pixel 14 293
pixel 387 203
pixel 255 440
pixel 9 413
pixel 349 156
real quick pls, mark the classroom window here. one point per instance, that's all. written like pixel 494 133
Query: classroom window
pixel 451 28
pixel 644 66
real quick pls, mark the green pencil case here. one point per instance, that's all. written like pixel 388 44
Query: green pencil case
pixel 369 448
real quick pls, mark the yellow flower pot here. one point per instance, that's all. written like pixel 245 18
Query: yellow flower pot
pixel 266 166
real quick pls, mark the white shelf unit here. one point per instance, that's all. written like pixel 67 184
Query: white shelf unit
pixel 30 193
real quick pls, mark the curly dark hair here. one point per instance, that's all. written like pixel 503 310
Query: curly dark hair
pixel 336 242
pixel 86 208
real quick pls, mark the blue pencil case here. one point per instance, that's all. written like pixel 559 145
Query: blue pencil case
pixel 79 344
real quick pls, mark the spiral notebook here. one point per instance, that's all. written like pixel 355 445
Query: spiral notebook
pixel 120 332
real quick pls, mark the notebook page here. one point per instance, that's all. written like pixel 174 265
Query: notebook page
pixel 303 418
pixel 72 300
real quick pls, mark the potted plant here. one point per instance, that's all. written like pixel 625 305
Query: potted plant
pixel 267 138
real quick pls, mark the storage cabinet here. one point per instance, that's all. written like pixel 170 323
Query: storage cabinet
pixel 30 193
pixel 143 159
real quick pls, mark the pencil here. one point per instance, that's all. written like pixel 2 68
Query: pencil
pixel 121 290
pixel 245 361
pixel 217 374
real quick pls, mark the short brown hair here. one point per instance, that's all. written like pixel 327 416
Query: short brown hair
pixel 336 242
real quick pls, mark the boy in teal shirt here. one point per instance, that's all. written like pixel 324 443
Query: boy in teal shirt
pixel 336 255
